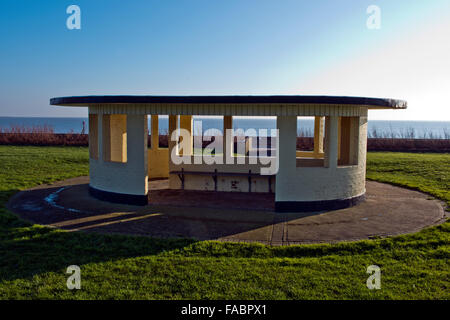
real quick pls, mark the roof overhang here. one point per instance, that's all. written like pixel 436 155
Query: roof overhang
pixel 371 103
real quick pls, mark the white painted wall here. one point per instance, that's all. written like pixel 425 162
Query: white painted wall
pixel 130 177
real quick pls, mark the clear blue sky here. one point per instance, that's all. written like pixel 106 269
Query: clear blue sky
pixel 225 47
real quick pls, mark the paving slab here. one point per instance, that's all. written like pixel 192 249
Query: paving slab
pixel 231 216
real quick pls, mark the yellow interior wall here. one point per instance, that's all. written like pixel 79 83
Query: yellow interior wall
pixel 158 158
pixel 115 137
pixel 158 163
pixel 349 141
pixel 187 124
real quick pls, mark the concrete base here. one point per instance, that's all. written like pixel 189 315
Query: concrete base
pixel 387 211
pixel 114 197
pixel 312 206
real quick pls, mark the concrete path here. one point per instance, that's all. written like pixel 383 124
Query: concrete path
pixel 238 217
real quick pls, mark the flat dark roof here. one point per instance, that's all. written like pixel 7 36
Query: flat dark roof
pixel 279 99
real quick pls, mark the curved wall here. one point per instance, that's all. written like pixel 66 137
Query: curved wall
pixel 319 188
pixel 122 182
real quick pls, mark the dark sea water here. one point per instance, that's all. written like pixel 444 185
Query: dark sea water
pixel 379 128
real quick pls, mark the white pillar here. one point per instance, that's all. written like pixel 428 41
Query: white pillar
pixel 99 160
pixel 331 141
pixel 100 136
pixel 287 126
pixel 137 135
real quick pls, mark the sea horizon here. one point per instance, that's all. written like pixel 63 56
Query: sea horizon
pixel 418 129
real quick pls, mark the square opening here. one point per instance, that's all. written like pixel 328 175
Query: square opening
pixel 159 127
pixel 310 141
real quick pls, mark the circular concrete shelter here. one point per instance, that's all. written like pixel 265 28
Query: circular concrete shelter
pixel 332 176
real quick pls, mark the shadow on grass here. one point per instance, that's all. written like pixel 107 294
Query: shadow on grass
pixel 27 250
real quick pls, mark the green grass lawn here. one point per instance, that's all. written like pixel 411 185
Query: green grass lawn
pixel 33 259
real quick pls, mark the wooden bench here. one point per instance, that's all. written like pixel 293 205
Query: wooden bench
pixel 181 175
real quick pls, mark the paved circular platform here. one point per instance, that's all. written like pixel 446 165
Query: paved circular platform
pixel 387 211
